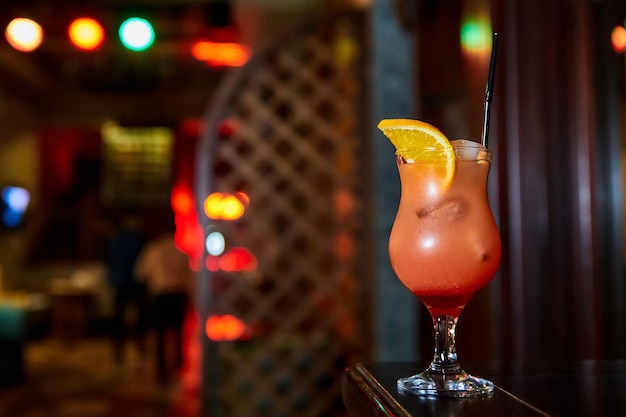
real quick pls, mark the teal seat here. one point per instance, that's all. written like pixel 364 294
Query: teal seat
pixel 12 341
pixel 12 322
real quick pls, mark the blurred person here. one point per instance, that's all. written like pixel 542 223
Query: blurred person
pixel 124 247
pixel 168 277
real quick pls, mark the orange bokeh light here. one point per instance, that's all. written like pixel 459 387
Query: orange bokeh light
pixel 220 206
pixel 86 33
pixel 243 197
pixel 226 328
pixel 618 39
pixel 213 205
pixel 232 208
pixel 226 54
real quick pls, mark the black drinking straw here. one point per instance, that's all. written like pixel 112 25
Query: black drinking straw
pixel 489 89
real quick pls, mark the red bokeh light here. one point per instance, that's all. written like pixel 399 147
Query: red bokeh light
pixel 227 129
pixel 189 235
pixel 212 263
pixel 238 259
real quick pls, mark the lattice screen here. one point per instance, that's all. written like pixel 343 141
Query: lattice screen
pixel 287 131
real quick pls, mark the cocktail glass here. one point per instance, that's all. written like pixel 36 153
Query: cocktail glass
pixel 444 247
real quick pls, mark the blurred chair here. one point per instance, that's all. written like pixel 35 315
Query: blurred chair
pixel 12 343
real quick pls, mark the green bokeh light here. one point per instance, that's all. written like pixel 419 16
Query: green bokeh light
pixel 136 34
pixel 475 35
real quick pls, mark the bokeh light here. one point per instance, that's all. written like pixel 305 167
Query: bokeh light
pixel 222 206
pixel 24 34
pixel 16 198
pixel 618 39
pixel 232 208
pixel 86 33
pixel 215 243
pixel 238 259
pixel 227 129
pixel 182 199
pixel 476 35
pixel 136 34
pixel 213 205
pixel 221 328
pixel 15 201
pixel 189 233
pixel 221 54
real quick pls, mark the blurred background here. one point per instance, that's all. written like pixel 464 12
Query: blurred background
pixel 245 131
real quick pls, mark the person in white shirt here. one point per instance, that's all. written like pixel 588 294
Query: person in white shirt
pixel 168 277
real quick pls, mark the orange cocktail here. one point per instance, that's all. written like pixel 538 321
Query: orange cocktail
pixel 444 244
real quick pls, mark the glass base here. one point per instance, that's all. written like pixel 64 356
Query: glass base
pixel 458 384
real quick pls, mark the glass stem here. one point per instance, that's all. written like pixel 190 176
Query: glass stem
pixel 444 360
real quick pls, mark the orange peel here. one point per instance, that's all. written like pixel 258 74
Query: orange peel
pixel 417 141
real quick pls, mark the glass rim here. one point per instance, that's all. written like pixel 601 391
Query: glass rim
pixel 463 151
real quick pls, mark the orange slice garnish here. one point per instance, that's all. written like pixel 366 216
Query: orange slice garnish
pixel 418 141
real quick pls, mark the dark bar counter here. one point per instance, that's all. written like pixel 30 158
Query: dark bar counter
pixel 587 388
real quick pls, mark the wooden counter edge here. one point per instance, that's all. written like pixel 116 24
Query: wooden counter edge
pixel 364 396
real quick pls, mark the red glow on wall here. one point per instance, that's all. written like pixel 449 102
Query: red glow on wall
pixel 191 377
pixel 60 150
pixel 188 237
pixel 191 127
pixel 226 328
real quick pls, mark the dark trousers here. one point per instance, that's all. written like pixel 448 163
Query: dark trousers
pixel 122 330
pixel 168 313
